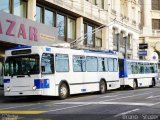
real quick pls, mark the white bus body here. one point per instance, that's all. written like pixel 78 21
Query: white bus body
pixel 80 70
pixel 138 73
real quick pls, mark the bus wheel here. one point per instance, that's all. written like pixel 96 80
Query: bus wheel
pixel 63 91
pixel 102 87
pixel 134 84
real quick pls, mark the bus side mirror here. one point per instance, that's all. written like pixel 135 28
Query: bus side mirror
pixel 43 68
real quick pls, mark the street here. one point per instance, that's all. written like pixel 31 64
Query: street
pixel 139 104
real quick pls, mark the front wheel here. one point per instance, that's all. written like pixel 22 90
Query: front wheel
pixel 63 91
pixel 102 87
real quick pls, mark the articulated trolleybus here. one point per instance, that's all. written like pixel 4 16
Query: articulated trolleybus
pixel 138 73
pixel 53 71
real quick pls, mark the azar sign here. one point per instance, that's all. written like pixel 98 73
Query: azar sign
pixel 22 31
pixel 143 46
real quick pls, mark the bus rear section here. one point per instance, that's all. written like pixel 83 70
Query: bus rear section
pixel 138 73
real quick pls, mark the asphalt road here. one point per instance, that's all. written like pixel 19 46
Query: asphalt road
pixel 139 104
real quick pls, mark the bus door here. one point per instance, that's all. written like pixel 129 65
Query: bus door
pixel 122 71
pixel 1 71
pixel 47 71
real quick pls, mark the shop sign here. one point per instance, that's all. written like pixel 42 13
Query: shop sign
pixel 19 30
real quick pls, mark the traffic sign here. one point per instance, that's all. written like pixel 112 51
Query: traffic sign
pixel 143 46
pixel 142 53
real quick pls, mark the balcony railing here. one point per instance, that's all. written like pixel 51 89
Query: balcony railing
pixel 83 8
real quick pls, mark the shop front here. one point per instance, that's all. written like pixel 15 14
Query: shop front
pixel 16 31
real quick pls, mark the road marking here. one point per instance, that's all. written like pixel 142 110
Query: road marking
pixel 111 96
pixel 153 96
pixel 21 112
pixel 128 96
pixel 19 106
pixel 67 108
pixel 156 103
pixel 106 103
pixel 89 104
pixel 126 112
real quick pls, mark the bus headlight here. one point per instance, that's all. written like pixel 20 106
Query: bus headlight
pixel 34 87
pixel 8 89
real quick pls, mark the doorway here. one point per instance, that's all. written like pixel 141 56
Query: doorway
pixel 1 71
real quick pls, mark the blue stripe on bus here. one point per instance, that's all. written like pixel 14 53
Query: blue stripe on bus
pixel 19 47
pixel 48 49
pixel 41 83
pixel 6 80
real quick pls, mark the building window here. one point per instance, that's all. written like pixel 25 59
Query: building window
pixel 156 24
pixel 155 4
pixel 133 13
pixel 92 38
pixel 4 6
pixel 101 4
pixel 49 18
pixel 95 2
pixel 122 41
pixel 20 8
pixel 71 28
pixel 61 25
pixel 66 24
pixel 113 4
pixel 98 39
pixel 129 43
pixel 16 7
pixel 39 14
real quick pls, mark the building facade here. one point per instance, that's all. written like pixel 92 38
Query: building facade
pixel 151 28
pixel 38 22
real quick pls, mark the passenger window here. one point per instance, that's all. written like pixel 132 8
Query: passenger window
pixel 62 63
pixel 91 64
pixel 79 63
pixel 102 64
pixel 115 65
pixel 129 68
pixel 110 64
pixel 141 68
pixel 47 65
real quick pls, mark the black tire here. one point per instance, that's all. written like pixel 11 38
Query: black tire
pixel 102 87
pixel 135 85
pixel 63 91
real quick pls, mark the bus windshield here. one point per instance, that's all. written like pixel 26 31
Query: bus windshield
pixel 22 65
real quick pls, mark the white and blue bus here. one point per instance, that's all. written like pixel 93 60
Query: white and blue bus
pixel 52 71
pixel 138 73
